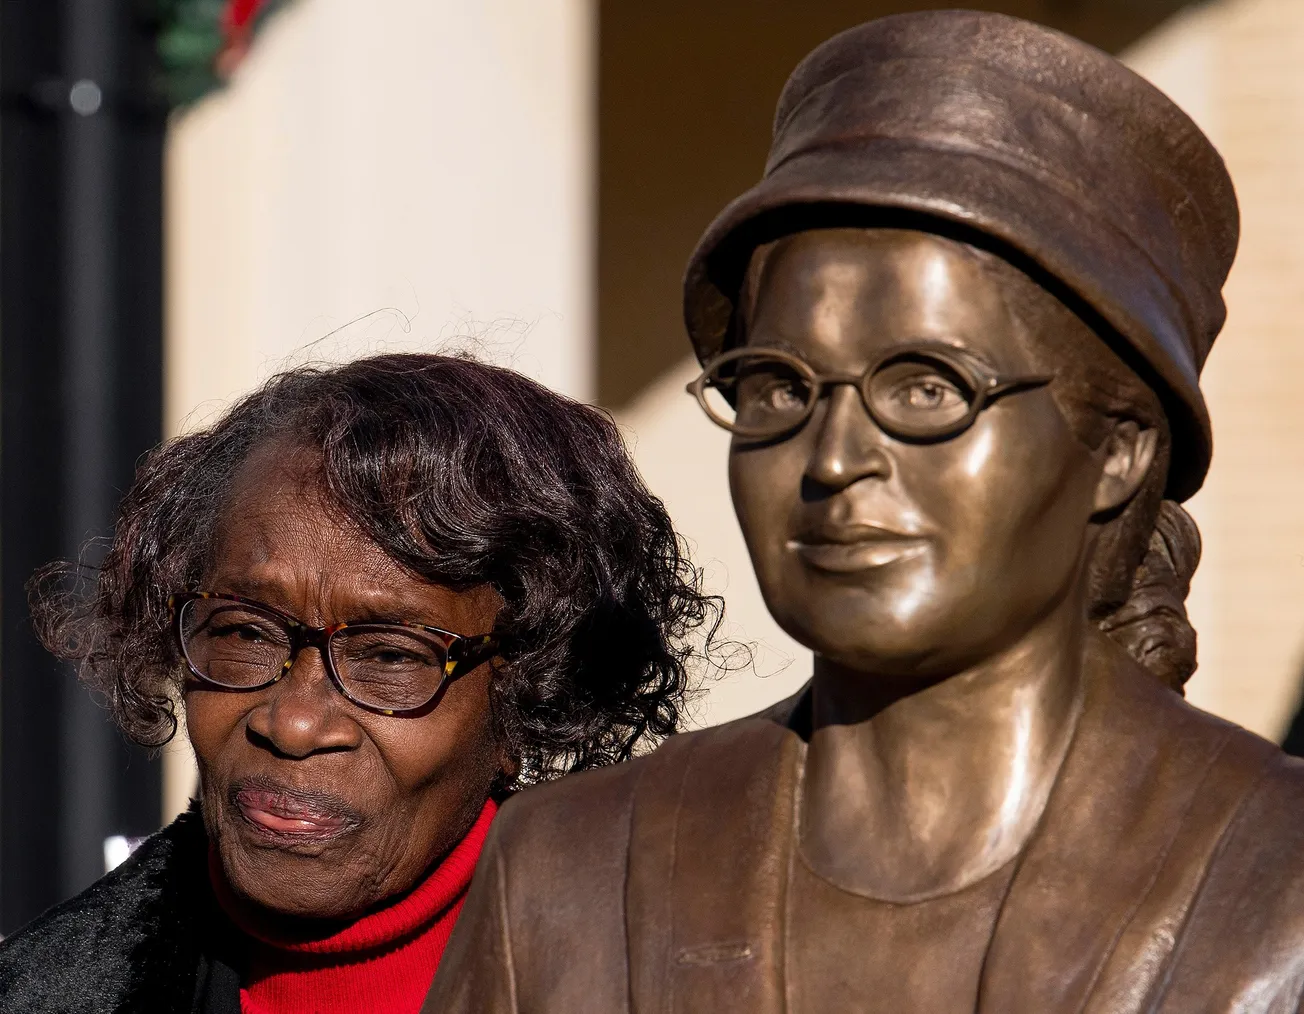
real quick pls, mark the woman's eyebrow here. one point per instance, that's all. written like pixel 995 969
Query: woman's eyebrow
pixel 242 584
pixel 395 609
pixel 381 614
pixel 380 608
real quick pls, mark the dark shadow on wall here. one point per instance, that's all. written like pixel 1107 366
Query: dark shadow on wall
pixel 1293 742
pixel 686 95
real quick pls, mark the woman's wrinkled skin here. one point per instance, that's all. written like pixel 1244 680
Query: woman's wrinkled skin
pixel 942 586
pixel 392 795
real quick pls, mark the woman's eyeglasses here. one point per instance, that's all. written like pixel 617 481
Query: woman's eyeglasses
pixel 391 668
pixel 923 392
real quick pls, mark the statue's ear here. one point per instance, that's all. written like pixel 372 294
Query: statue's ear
pixel 1128 452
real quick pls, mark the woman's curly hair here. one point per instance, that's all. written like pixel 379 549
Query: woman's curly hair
pixel 464 474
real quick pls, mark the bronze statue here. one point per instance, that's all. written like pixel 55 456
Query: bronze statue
pixel 956 331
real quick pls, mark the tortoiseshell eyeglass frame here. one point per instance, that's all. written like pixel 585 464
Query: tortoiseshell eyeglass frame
pixel 462 652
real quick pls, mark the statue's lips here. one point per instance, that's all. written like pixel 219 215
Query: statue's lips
pixel 853 549
pixel 286 813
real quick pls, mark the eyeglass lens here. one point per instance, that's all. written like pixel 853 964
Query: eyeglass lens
pixel 758 394
pixel 236 645
pixel 916 394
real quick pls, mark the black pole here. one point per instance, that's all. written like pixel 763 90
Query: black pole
pixel 80 399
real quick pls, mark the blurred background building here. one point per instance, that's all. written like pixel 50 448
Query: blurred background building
pixel 195 193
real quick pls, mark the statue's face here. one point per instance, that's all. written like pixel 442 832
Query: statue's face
pixel 897 557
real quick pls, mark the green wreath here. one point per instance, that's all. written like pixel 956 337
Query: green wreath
pixel 200 43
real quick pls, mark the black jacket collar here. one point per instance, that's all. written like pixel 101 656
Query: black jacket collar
pixel 143 939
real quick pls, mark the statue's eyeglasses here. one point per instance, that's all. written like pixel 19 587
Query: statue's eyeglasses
pixel 235 643
pixel 922 392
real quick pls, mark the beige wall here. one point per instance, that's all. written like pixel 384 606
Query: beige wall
pixel 425 165
pixel 1238 68
pixel 430 156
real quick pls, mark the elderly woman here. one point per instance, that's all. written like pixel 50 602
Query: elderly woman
pixel 386 595
pixel 956 333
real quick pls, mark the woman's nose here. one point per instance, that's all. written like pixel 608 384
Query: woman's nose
pixel 848 446
pixel 304 714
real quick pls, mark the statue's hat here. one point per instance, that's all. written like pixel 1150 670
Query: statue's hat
pixel 1050 149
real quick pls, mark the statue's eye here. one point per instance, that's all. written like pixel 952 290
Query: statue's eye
pixel 919 396
pixel 769 392
pixel 929 394
pixel 781 395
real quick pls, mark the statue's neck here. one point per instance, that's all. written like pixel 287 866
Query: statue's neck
pixel 912 793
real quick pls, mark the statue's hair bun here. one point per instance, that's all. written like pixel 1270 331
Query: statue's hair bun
pixel 1152 624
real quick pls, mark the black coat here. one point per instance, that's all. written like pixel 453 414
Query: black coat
pixel 146 939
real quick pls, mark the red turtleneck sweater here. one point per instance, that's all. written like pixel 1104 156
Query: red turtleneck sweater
pixel 383 963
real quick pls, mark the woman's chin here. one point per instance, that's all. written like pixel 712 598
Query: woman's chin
pixel 300 894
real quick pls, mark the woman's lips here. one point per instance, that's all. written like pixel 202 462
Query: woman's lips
pixel 291 815
pixel 856 549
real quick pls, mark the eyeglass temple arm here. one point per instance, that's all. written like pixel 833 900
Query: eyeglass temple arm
pixel 467 653
pixel 996 388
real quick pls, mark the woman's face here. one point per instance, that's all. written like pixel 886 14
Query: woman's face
pixel 318 808
pixel 899 558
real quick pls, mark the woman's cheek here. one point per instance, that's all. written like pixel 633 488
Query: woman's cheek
pixel 200 724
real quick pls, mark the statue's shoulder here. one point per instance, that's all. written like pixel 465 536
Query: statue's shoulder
pixel 591 813
pixel 1265 838
pixel 1273 780
pixel 1238 781
pixel 1242 943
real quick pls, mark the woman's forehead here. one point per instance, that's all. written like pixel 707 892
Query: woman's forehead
pixel 293 555
pixel 278 514
pixel 276 464
pixel 281 540
pixel 273 535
